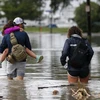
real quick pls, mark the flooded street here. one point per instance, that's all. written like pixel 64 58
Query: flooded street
pixel 42 79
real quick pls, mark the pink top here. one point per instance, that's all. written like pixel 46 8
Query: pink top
pixel 11 29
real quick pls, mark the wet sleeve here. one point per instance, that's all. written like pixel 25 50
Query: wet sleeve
pixel 65 52
pixel 27 42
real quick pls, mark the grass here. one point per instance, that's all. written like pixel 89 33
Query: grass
pixel 46 29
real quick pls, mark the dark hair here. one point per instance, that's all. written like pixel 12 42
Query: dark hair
pixel 8 25
pixel 74 30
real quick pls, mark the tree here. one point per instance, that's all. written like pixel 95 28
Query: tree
pixel 56 3
pixel 81 17
pixel 27 9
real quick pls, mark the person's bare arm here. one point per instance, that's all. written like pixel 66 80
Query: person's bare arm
pixel 3 55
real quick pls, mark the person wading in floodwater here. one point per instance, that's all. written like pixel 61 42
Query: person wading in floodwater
pixel 78 73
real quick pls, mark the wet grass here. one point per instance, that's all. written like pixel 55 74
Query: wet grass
pixel 46 29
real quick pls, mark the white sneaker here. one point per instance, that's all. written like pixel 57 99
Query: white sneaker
pixel 39 58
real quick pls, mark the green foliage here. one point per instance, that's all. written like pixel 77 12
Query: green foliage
pixel 55 4
pixel 27 9
pixel 81 17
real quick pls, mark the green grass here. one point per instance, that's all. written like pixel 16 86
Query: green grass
pixel 46 29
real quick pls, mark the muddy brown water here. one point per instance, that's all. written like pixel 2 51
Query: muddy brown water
pixel 42 79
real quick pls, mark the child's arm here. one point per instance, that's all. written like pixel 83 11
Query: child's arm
pixel 38 58
pixel 3 55
pixel 30 53
pixel 11 29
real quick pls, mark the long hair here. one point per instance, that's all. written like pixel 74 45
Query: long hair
pixel 8 25
pixel 74 30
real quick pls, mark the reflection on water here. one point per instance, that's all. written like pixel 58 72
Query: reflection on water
pixel 49 73
pixel 51 45
pixel 16 91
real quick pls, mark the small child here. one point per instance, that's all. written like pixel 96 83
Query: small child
pixel 7 29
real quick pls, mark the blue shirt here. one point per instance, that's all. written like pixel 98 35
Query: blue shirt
pixel 22 39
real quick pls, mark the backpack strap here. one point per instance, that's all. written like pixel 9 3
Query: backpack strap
pixel 13 39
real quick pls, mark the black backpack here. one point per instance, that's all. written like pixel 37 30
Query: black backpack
pixel 79 56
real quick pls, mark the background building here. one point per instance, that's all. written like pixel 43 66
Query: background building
pixel 62 17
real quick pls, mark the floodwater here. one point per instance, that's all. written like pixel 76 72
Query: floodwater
pixel 42 79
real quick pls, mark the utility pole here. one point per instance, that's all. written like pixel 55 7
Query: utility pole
pixel 51 22
pixel 88 11
pixel 40 27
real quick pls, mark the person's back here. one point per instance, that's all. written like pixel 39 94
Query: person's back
pixel 18 52
pixel 22 39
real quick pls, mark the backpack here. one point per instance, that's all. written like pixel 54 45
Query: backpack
pixel 80 54
pixel 18 52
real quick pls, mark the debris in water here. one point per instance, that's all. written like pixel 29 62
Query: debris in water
pixel 80 94
pixel 55 92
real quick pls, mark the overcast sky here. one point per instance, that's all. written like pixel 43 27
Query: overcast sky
pixel 75 3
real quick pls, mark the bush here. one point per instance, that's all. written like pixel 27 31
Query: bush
pixel 81 17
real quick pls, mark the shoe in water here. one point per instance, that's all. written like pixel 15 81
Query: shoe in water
pixel 39 58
